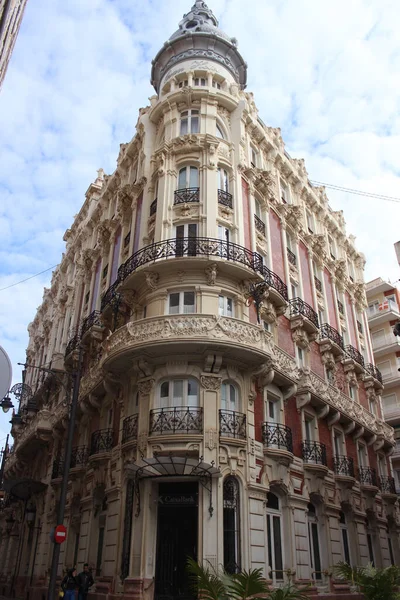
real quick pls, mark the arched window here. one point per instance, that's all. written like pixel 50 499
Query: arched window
pixel 313 540
pixel 223 179
pixel 231 501
pixel 274 537
pixel 229 397
pixel 179 392
pixel 188 178
pixel 190 121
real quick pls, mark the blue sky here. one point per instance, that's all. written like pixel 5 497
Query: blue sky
pixel 326 73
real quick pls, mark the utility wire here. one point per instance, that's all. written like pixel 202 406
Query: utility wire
pixel 358 192
pixel 27 279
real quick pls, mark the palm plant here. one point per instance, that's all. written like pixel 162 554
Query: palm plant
pixel 289 592
pixel 375 584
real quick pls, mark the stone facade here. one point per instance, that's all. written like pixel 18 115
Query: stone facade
pixel 258 441
pixel 11 13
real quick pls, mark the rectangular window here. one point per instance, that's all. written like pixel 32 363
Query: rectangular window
pixel 309 429
pixel 300 356
pixel 370 549
pixel 99 557
pixel 362 456
pixel 275 558
pixel 223 233
pixel 314 551
pixel 96 286
pixel 332 247
pixel 390 547
pixel 338 443
pixel 225 306
pixel 181 303
pixel 285 197
pixel 345 545
pixel 254 157
pixel 310 222
pixel 115 256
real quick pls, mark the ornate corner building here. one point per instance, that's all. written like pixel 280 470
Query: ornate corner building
pixel 383 314
pixel 11 13
pixel 200 430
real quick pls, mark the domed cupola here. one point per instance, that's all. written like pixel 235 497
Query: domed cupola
pixel 199 38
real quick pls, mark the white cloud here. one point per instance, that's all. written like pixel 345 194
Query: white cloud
pixel 326 73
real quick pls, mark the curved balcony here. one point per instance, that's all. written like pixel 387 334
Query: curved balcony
pixel 300 309
pixel 354 355
pixel 368 479
pixel 176 421
pixel 225 199
pixel 130 429
pixel 79 458
pixel 343 467
pixel 374 372
pixel 111 296
pixel 232 424
pixel 186 196
pixel 278 441
pixel 314 457
pixel 190 333
pixel 331 340
pixel 92 320
pixel 102 441
pixel 388 488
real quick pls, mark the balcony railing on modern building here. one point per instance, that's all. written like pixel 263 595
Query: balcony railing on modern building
pixel 232 424
pixel 387 306
pixel 208 247
pixel 79 457
pixel 58 467
pixel 343 465
pixel 355 355
pixel 102 441
pixel 330 333
pixel 259 225
pixel 299 307
pixel 94 319
pixel 130 428
pixel 340 307
pixel 291 257
pixel 153 207
pixel 225 198
pixel 387 485
pixel 314 453
pixel 367 476
pixel 276 435
pixel 318 284
pixel 374 372
pixel 177 420
pixel 187 195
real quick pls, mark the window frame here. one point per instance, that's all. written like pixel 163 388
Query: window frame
pixel 181 302
pixel 189 170
pixel 224 311
pixel 272 546
pixel 190 116
pixel 186 381
pixel 226 402
pixel 235 541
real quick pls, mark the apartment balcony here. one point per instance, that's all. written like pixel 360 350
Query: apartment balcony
pixel 186 196
pixel 330 339
pixel 278 441
pixel 386 344
pixel 225 199
pixel 388 488
pixel 57 470
pixel 180 420
pixel 79 460
pixel 352 354
pixel 368 480
pixel 292 258
pixel 73 342
pixel 301 310
pixel 314 457
pixel 390 377
pixel 259 225
pixel 386 311
pixel 130 429
pixel 343 467
pixel 92 325
pixel 374 372
pixel 101 444
pixel 232 424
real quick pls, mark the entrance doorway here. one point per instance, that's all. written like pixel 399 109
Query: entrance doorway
pixel 176 539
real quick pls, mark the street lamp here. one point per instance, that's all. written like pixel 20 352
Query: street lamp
pixel 6 404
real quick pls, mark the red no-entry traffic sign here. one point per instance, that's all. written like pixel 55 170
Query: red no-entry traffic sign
pixel 60 534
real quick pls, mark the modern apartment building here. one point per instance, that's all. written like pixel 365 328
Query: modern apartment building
pixel 383 313
pixel 11 13
pixel 202 429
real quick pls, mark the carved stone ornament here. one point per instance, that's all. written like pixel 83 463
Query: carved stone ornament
pixel 328 360
pixel 211 383
pixel 265 373
pixel 300 338
pixel 152 280
pixel 211 274
pixel 145 387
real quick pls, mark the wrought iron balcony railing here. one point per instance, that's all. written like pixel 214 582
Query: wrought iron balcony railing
pixel 367 476
pixel 58 467
pixel 291 257
pixel 259 225
pixel 330 333
pixel 180 419
pixel 102 441
pixel 299 307
pixel 209 247
pixel 130 428
pixel 94 319
pixel 343 465
pixel 354 354
pixel 187 195
pixel 314 453
pixel 225 198
pixel 318 284
pixel 111 295
pixel 276 435
pixel 374 372
pixel 153 207
pixel 232 424
pixel 387 485
pixel 79 456
pixel 73 342
pixel 340 307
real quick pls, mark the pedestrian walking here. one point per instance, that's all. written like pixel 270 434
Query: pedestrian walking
pixel 85 581
pixel 69 584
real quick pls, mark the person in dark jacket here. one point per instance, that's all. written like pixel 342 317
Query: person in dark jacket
pixel 85 581
pixel 69 584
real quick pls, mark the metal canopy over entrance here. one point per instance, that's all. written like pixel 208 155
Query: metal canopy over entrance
pixel 173 466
